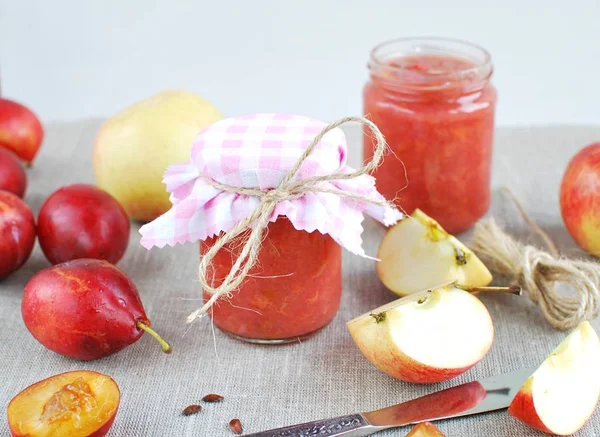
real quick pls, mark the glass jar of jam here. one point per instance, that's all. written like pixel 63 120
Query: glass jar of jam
pixel 433 100
pixel 293 290
pixel 294 282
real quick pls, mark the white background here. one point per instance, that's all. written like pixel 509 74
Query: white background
pixel 70 59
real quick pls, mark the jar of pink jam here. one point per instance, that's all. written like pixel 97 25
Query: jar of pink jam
pixel 434 102
pixel 290 245
pixel 272 305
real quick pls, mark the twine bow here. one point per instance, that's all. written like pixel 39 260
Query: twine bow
pixel 538 272
pixel 258 220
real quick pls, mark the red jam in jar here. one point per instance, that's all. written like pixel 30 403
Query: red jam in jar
pixel 293 290
pixel 433 101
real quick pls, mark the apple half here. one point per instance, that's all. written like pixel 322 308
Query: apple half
pixel 426 337
pixel 425 429
pixel 417 253
pixel 563 392
pixel 72 404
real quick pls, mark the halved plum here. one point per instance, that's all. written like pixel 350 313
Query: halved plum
pixel 425 429
pixel 72 404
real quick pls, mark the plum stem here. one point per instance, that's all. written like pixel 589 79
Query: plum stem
pixel 166 347
pixel 513 289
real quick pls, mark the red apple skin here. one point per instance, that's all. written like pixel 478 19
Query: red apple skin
pixel 17 233
pixel 82 221
pixel 405 368
pixel 580 198
pixel 12 173
pixel 523 409
pixel 84 309
pixel 20 130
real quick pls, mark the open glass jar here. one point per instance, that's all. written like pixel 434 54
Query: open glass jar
pixel 433 100
pixel 293 291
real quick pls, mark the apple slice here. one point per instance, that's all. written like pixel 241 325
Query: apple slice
pixel 429 336
pixel 425 429
pixel 417 253
pixel 72 404
pixel 563 392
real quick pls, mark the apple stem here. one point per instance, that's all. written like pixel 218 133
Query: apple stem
pixel 513 289
pixel 166 347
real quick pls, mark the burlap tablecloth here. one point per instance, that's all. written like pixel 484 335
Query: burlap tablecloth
pixel 268 386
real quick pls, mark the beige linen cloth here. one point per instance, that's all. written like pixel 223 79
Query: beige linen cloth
pixel 325 376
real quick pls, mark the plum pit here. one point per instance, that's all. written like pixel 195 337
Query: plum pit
pixel 70 402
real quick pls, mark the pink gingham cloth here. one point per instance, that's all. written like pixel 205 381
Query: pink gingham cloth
pixel 257 151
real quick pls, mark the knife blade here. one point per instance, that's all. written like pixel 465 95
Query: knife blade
pixel 475 397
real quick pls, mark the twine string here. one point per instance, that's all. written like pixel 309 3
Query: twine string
pixel 258 220
pixel 539 272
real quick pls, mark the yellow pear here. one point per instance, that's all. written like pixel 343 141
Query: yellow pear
pixel 417 254
pixel 134 148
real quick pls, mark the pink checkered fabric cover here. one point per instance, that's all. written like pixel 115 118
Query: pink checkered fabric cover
pixel 257 151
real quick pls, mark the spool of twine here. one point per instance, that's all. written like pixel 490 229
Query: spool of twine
pixel 539 272
pixel 258 220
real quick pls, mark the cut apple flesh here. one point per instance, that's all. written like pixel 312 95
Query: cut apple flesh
pixel 563 392
pixel 417 253
pixel 425 429
pixel 73 404
pixel 430 336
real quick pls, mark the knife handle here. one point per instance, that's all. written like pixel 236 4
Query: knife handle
pixel 354 425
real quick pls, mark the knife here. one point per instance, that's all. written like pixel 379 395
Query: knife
pixel 489 394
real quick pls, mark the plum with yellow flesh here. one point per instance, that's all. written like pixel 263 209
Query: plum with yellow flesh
pixel 72 404
pixel 425 429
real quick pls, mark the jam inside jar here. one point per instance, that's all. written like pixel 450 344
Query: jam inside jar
pixel 433 101
pixel 293 290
